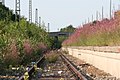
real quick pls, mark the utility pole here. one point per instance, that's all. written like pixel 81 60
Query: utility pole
pixel 96 15
pixel 36 16
pixel 92 18
pixel 39 21
pixel 110 9
pixel 3 2
pixel 48 27
pixel 43 25
pixel 30 11
pixel 113 10
pixel 17 11
pixel 102 12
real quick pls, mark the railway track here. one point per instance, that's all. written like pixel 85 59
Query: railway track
pixel 76 72
pixel 57 71
pixel 62 69
pixel 31 70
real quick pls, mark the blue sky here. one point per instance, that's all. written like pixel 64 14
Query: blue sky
pixel 61 13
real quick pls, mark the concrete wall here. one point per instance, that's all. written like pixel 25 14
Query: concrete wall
pixel 109 62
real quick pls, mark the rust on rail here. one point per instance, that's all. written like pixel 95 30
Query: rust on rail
pixel 73 69
pixel 32 69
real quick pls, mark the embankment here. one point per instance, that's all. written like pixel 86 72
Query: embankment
pixel 104 58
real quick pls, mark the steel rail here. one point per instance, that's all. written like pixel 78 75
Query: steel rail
pixel 32 69
pixel 73 69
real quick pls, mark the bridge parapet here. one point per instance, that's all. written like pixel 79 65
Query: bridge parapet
pixel 53 34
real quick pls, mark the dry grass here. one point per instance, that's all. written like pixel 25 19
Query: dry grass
pixel 52 56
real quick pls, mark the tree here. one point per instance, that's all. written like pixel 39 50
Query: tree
pixel 69 28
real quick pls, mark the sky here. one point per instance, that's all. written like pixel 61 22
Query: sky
pixel 61 13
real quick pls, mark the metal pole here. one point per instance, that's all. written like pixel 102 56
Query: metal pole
pixel 39 21
pixel 3 2
pixel 48 27
pixel 96 15
pixel 36 17
pixel 43 25
pixel 113 11
pixel 30 11
pixel 102 12
pixel 92 18
pixel 17 11
pixel 110 8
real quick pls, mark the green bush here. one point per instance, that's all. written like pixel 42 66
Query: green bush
pixel 19 44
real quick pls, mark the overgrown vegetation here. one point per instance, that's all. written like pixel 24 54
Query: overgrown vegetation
pixel 98 33
pixel 52 56
pixel 19 45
